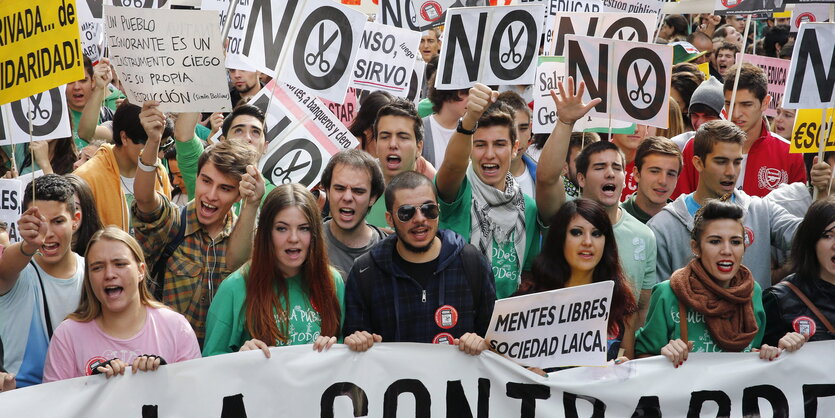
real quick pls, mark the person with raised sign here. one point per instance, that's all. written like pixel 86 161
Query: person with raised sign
pixel 802 302
pixel 713 304
pixel 40 276
pixel 580 249
pixel 480 199
pixel 287 294
pixel 117 323
pixel 522 166
pixel 448 106
pixel 657 166
pixel 600 174
pixel 194 248
pixel 91 100
pixel 420 284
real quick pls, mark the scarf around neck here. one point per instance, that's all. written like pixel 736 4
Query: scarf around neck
pixel 497 216
pixel 729 313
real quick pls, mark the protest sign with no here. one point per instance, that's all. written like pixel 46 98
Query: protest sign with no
pixel 776 71
pixel 347 110
pixel 311 44
pixel 564 327
pixel 385 60
pixel 554 6
pixel 234 59
pixel 628 27
pixel 418 14
pixel 172 56
pixel 48 113
pixel 489 45
pixel 632 78
pixel 807 131
pixel 39 47
pixel 811 82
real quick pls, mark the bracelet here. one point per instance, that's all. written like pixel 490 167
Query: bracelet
pixel 146 168
pixel 25 253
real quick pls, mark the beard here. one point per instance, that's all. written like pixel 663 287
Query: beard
pixel 401 236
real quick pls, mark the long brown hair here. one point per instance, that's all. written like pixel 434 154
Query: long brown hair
pixel 264 274
pixel 89 308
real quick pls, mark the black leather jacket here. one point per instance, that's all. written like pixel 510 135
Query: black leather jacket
pixel 782 307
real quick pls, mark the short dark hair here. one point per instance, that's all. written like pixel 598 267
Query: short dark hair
pixel 499 114
pixel 126 119
pixel 406 180
pixel 580 140
pixel 728 45
pixel 678 23
pixel 359 159
pixel 367 115
pixel 804 260
pixel 715 131
pixel 689 67
pixel 714 210
pixel 751 78
pixel 776 35
pixel 243 109
pixel 404 108
pixel 582 161
pixel 88 65
pixel 685 83
pixel 230 158
pixel 656 145
pixel 514 100
pixel 439 97
pixel 51 188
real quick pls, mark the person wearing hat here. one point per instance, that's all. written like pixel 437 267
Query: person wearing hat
pixel 685 52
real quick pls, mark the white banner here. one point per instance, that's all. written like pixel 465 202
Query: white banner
pixel 489 45
pixel 811 82
pixel 311 44
pixel 234 59
pixel 11 204
pixel 386 59
pixel 173 56
pixel 627 27
pixel 48 112
pixel 140 4
pixel 92 31
pixel 423 380
pixel 633 6
pixel 558 328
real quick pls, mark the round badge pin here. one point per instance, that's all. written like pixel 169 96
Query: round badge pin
pixel 443 338
pixel 804 325
pixel 446 317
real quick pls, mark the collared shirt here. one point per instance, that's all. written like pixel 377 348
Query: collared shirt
pixel 197 266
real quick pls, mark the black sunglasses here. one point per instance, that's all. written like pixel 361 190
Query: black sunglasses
pixel 407 212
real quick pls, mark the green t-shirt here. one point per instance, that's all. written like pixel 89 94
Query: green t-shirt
pixel 424 108
pixel 225 323
pixel 456 216
pixel 630 207
pixel 637 252
pixel 377 214
pixel 663 319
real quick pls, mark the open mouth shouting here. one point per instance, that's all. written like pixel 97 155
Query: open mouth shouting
pixel 393 161
pixel 725 266
pixel 50 249
pixel 420 233
pixel 609 189
pixel 346 214
pixel 207 210
pixel 113 291
pixel 294 254
pixel 490 170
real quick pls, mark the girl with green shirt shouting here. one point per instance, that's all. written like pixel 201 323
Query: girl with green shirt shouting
pixel 287 294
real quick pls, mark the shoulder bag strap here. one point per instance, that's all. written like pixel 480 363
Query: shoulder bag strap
pixel 810 305
pixel 45 303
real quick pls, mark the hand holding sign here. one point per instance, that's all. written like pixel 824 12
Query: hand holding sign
pixel 252 185
pixel 570 106
pixel 33 228
pixel 102 74
pixel 481 97
pixel 152 120
pixel 821 177
pixel 676 351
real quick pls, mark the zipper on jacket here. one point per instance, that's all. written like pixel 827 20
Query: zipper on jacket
pixel 423 298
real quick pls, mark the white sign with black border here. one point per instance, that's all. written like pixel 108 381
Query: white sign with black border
pixel 386 58
pixel 637 27
pixel 811 81
pixel 48 113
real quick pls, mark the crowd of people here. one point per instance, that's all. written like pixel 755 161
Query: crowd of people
pixel 143 244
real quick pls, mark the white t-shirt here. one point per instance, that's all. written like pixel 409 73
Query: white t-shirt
pixel 526 182
pixel 440 139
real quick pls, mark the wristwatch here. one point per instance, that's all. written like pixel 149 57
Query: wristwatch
pixel 460 128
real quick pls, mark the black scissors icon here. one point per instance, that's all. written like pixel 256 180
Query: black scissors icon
pixel 279 172
pixel 634 95
pixel 511 54
pixel 38 110
pixel 311 58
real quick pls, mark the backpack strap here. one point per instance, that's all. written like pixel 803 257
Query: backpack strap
pixel 158 272
pixel 45 303
pixel 682 321
pixel 810 305
pixel 470 256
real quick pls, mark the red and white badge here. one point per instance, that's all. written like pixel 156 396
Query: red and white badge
pixel 804 325
pixel 93 364
pixel 446 317
pixel 444 338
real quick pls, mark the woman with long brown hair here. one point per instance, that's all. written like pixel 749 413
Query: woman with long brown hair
pixel 287 294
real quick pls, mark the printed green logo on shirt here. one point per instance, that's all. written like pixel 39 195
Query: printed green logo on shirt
pixel 505 263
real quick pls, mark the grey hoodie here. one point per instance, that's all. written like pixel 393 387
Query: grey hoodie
pixel 766 224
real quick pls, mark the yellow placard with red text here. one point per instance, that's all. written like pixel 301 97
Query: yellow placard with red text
pixel 40 47
pixel 807 130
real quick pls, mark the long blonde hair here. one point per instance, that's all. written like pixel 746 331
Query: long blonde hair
pixel 89 308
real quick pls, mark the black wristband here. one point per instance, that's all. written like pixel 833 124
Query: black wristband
pixel 460 128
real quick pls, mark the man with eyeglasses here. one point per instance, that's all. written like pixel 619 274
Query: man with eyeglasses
pixel 420 284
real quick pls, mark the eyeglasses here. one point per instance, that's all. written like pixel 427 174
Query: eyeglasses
pixel 406 212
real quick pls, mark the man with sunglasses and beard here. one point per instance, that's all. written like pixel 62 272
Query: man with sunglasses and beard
pixel 420 284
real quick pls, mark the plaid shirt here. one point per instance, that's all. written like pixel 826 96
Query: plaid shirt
pixel 196 268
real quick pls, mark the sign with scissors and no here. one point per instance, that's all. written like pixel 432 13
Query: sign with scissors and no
pixel 48 112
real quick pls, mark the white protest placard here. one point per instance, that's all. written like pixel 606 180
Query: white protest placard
pixel 489 45
pixel 366 6
pixel 738 7
pixel 92 31
pixel 638 27
pixel 11 203
pixel 554 6
pixel 234 59
pixel 550 71
pixel 173 56
pixel 632 78
pixel 418 15
pixel 48 112
pixel 416 82
pixel 386 58
pixel 809 13
pixel 776 71
pixel 140 4
pixel 302 134
pixel 811 82
pixel 311 44
pixel 558 328
pixel 633 6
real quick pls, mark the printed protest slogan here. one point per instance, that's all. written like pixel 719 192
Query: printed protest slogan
pixel 11 201
pixel 558 328
pixel 427 380
pixel 489 45
pixel 48 113
pixel 738 7
pixel 809 13
pixel 39 47
pixel 140 4
pixel 632 27
pixel 172 56
pixel 776 71
pixel 386 57
pixel 808 130
pixel 811 82
pixel 347 110
pixel 92 31
pixel 234 59
pixel 633 6
pixel 419 15
pixel 554 6
pixel 302 134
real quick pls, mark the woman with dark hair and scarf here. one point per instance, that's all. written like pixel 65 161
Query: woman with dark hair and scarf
pixel 715 293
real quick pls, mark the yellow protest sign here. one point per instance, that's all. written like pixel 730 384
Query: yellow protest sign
pixel 705 69
pixel 807 130
pixel 39 47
